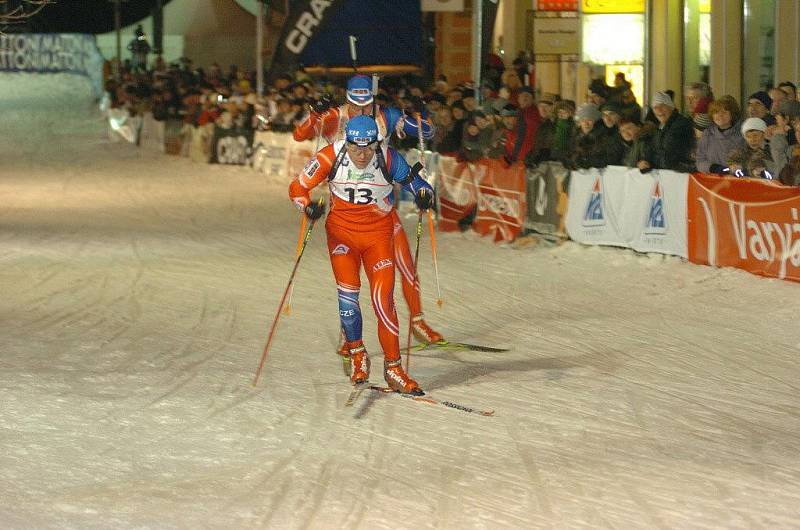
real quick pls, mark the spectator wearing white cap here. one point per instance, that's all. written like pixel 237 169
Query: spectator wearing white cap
pixel 754 160
pixel 673 141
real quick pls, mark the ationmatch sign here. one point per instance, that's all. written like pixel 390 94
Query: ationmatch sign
pixel 750 224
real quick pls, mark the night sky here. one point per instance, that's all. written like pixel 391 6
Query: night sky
pixel 84 16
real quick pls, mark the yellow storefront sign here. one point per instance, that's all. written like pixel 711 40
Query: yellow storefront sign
pixel 612 6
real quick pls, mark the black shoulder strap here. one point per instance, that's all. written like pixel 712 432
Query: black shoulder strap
pixel 382 163
pixel 337 162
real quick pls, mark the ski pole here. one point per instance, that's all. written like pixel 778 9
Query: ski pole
pixel 306 237
pixel 287 309
pixel 439 300
pixel 416 260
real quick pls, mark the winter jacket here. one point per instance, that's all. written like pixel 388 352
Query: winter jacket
pixel 715 144
pixel 527 124
pixel 543 145
pixel 790 174
pixel 589 149
pixel 673 144
pixel 780 150
pixel 748 159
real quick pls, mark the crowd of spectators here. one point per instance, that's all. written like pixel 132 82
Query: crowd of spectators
pixel 504 119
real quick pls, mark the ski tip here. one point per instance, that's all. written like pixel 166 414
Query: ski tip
pixel 440 302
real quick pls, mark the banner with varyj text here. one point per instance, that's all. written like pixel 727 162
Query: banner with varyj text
pixel 746 223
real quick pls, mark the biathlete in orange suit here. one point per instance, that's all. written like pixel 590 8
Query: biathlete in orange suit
pixel 330 124
pixel 360 227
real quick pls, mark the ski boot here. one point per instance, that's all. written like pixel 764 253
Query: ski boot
pixel 359 365
pixel 398 379
pixel 423 332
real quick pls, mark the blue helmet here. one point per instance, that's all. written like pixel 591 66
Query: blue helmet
pixel 362 130
pixel 359 90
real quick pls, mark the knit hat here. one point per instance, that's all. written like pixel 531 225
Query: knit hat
pixel 610 106
pixel 754 124
pixel 508 110
pixel 564 104
pixel 587 111
pixel 662 98
pixel 527 89
pixel 789 108
pixel 701 121
pixel 599 87
pixel 548 97
pixel 763 97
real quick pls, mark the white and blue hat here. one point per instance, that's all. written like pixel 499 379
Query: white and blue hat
pixel 362 130
pixel 359 90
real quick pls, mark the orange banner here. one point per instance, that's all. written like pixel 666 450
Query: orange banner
pixel 458 192
pixel 501 200
pixel 745 223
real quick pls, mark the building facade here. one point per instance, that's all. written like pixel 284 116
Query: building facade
pixel 737 46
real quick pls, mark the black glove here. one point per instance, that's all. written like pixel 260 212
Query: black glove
pixel 322 104
pixel 315 210
pixel 424 199
pixel 719 169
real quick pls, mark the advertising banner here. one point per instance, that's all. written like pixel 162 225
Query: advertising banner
pixel 231 146
pixel 622 207
pixel 52 53
pixel 278 156
pixel 501 200
pixel 457 191
pixel 745 223
pixel 547 198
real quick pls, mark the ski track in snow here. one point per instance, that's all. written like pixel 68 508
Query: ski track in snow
pixel 137 291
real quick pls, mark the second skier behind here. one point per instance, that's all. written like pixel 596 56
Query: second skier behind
pixel 329 122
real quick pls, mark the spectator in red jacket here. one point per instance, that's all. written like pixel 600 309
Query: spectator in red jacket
pixel 528 120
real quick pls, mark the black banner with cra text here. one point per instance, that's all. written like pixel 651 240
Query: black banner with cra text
pixel 306 18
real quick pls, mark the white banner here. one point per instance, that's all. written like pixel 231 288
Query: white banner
pixel 52 53
pixel 279 157
pixel 622 207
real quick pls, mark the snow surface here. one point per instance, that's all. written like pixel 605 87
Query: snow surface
pixel 136 292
